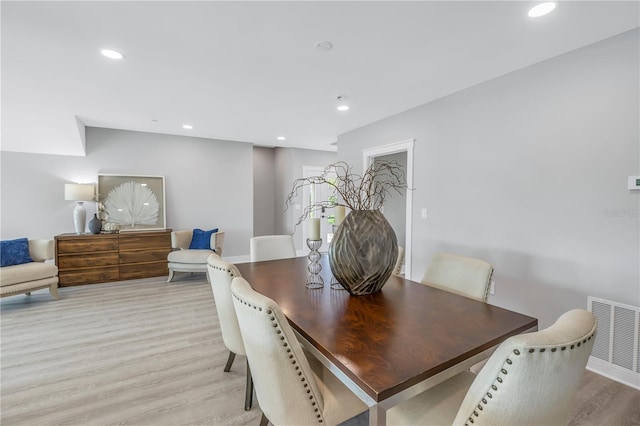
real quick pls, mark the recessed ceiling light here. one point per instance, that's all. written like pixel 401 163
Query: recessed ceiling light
pixel 187 126
pixel 542 9
pixel 342 103
pixel 323 46
pixel 112 54
pixel 281 138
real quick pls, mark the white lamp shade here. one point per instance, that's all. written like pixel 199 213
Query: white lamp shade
pixel 79 191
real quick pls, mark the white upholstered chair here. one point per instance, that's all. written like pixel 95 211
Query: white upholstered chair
pixel 462 275
pixel 183 259
pixel 271 247
pixel 221 274
pixel 531 379
pixel 291 389
pixel 397 269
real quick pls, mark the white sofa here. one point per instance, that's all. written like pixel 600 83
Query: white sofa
pixel 183 259
pixel 27 277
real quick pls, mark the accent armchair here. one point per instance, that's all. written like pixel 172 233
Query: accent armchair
pixel 36 275
pixel 184 259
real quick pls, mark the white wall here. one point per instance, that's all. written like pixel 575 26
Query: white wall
pixel 524 170
pixel 209 183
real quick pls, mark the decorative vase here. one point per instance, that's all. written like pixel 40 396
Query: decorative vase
pixel 363 252
pixel 95 225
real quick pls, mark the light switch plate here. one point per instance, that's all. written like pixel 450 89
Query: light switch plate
pixel 424 213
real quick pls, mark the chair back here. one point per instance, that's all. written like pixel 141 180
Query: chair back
pixel 397 269
pixel 283 380
pixel 462 275
pixel 532 379
pixel 221 274
pixel 271 247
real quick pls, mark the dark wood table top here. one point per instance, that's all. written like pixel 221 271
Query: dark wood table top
pixel 388 341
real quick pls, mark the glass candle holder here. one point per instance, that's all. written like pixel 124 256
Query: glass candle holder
pixel 314 280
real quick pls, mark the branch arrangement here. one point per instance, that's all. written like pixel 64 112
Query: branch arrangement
pixel 366 192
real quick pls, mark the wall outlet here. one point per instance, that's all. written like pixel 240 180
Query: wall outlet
pixel 492 288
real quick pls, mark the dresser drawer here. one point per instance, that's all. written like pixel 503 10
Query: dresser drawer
pixel 86 245
pixel 88 276
pixel 144 241
pixel 147 255
pixel 90 259
pixel 144 270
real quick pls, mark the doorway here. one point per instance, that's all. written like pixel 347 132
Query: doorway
pixel 394 211
pixel 311 194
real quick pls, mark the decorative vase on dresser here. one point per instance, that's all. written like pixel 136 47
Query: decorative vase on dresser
pixel 95 225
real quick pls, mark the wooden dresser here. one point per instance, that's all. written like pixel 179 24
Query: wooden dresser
pixel 91 259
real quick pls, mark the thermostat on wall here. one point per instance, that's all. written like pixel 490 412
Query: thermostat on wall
pixel 634 182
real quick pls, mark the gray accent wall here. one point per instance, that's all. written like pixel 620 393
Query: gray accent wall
pixel 529 172
pixel 264 180
pixel 209 183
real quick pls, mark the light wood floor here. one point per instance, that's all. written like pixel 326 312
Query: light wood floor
pixel 146 352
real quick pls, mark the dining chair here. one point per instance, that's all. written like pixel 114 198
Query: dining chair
pixel 466 276
pixel 271 247
pixel 397 269
pixel 531 379
pixel 221 274
pixel 291 389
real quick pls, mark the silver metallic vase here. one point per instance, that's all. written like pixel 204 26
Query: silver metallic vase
pixel 363 252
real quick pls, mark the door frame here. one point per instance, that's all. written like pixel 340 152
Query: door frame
pixel 407 145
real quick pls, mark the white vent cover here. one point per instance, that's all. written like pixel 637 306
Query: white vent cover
pixel 616 351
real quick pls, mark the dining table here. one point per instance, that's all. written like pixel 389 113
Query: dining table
pixel 391 345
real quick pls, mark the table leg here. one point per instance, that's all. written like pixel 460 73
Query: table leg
pixel 377 415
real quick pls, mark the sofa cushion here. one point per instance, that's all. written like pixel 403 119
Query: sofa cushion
pixel 32 271
pixel 14 252
pixel 189 256
pixel 201 240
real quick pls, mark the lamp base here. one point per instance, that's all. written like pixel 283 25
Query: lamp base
pixel 79 217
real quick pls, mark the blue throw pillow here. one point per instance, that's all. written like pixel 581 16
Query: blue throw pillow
pixel 15 252
pixel 201 240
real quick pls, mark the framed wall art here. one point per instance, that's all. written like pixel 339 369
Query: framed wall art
pixel 132 203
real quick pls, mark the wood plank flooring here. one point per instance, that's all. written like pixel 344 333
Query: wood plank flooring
pixel 147 352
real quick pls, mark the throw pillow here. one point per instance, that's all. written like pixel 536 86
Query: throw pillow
pixel 14 252
pixel 201 240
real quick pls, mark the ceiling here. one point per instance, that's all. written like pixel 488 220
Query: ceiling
pixel 249 72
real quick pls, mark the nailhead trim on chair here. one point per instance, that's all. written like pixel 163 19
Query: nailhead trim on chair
pixel 221 269
pixel 504 372
pixel 303 380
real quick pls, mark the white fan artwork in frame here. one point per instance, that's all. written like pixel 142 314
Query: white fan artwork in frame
pixel 133 202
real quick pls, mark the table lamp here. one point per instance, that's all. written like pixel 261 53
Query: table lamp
pixel 79 192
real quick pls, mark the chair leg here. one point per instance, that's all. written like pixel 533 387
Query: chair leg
pixel 227 367
pixel 263 420
pixel 53 289
pixel 170 275
pixel 248 397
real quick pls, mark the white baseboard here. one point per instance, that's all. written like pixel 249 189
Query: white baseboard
pixel 614 372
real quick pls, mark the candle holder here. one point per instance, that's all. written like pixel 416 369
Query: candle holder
pixel 335 285
pixel 314 280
